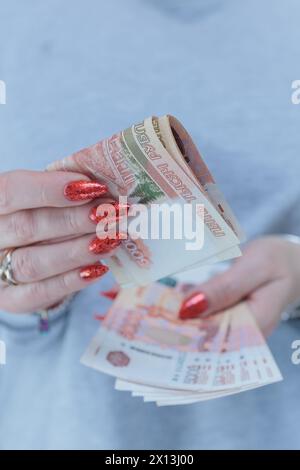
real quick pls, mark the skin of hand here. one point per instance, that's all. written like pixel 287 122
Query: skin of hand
pixel 266 276
pixel 48 218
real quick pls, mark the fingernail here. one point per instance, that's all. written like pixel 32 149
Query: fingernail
pixel 110 294
pixel 120 210
pixel 193 306
pixel 89 273
pixel 100 246
pixel 83 190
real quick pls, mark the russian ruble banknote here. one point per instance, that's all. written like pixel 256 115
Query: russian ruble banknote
pixel 155 355
pixel 156 164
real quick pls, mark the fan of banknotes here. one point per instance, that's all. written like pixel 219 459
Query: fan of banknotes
pixel 156 162
pixel 156 355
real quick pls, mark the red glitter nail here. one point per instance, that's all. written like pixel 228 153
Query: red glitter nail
pixel 103 246
pixel 119 211
pixel 193 306
pixel 89 273
pixel 83 190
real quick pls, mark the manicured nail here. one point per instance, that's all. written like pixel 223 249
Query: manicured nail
pixel 89 273
pixel 110 294
pixel 83 190
pixel 119 209
pixel 100 246
pixel 193 306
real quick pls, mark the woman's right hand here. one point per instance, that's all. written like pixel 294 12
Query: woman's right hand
pixel 46 218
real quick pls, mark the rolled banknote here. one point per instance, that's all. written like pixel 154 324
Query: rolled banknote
pixel 155 355
pixel 155 164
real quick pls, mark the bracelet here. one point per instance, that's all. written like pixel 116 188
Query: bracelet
pixel 44 323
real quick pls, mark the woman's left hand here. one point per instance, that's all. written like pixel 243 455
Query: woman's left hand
pixel 267 276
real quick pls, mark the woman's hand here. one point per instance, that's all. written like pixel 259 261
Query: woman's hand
pixel 267 276
pixel 49 220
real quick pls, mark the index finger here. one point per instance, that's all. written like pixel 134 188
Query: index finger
pixel 23 189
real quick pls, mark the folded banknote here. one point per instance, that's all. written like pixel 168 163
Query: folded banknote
pixel 155 162
pixel 156 355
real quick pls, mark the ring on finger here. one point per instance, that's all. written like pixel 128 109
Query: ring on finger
pixel 6 270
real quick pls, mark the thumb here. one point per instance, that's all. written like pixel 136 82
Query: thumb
pixel 223 290
pixel 267 304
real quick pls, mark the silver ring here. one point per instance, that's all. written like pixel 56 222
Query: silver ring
pixel 6 271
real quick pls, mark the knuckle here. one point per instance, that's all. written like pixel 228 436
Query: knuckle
pixel 24 265
pixel 37 293
pixel 44 195
pixel 23 226
pixel 71 222
pixel 63 284
pixel 5 179
pixel 77 251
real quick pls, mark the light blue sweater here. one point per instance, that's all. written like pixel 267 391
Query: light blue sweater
pixel 77 72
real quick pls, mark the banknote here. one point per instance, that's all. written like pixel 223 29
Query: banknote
pixel 156 163
pixel 142 332
pixel 156 355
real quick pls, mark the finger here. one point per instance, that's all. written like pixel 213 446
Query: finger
pixel 267 304
pixel 35 263
pixel 42 294
pixel 24 189
pixel 57 240
pixel 225 289
pixel 36 225
pixel 92 218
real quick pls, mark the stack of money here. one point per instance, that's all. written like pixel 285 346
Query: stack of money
pixel 152 163
pixel 156 355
